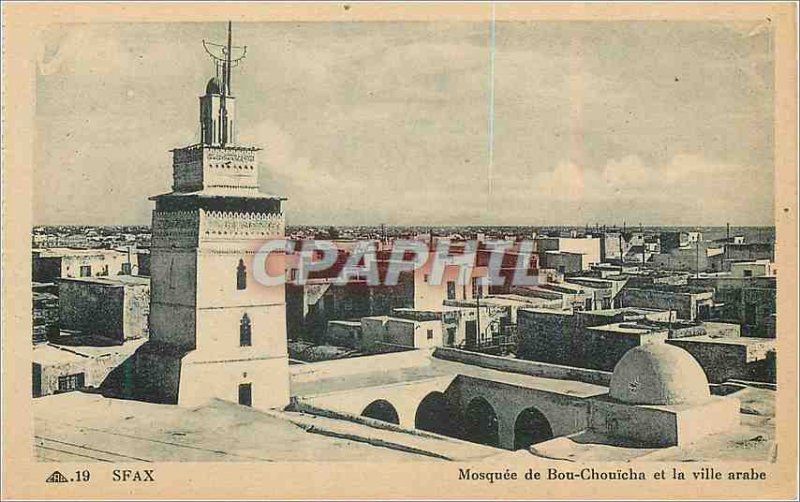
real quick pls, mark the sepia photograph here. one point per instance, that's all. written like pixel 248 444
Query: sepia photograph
pixel 551 244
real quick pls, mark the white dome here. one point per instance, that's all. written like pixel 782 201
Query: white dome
pixel 658 373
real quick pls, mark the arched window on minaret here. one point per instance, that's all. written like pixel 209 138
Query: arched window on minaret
pixel 241 275
pixel 245 331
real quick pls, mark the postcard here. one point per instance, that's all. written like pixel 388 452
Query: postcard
pixel 359 251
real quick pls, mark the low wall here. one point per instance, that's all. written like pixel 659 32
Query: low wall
pixel 722 329
pixel 724 361
pixel 354 365
pixel 649 426
pixel 524 367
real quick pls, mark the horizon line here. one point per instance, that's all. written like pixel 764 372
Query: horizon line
pixel 424 225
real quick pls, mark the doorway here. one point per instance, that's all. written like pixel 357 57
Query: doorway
pixel 246 394
pixel 471 328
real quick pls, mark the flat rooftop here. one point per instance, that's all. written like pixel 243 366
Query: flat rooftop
pixel 591 281
pixel 539 310
pixel 508 302
pixel 386 318
pixel 623 311
pixel 345 323
pixel 562 287
pixel 435 309
pixel 522 298
pixel 48 355
pixel 81 427
pixel 61 252
pixel 442 368
pixel 628 328
pixel 745 341
pixel 112 280
pixel 53 353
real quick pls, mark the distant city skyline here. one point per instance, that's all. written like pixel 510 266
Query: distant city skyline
pixel 659 123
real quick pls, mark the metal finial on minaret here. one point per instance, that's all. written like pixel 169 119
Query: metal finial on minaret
pixel 224 61
pixel 228 61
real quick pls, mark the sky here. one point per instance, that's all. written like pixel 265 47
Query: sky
pixel 653 122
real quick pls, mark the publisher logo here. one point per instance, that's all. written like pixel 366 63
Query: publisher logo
pixel 56 477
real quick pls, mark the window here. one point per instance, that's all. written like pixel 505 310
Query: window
pixel 70 382
pixel 245 331
pixel 451 290
pixel 104 271
pixel 241 276
pixel 430 334
pixel 476 288
pixel 126 269
pixel 747 273
pixel 172 276
pixel 86 270
pixel 750 314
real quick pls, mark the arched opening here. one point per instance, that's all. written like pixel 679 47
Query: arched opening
pixel 381 410
pixel 245 331
pixel 434 415
pixel 480 423
pixel 241 275
pixel 530 428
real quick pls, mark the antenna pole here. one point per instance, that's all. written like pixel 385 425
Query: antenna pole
pixel 228 62
pixel 226 83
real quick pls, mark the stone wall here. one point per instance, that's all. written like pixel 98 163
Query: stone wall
pixel 684 304
pixel 561 337
pixel 545 335
pixel 115 311
pixel 602 350
pixel 344 334
pixel 136 311
pixel 740 294
pixel 532 368
pixel 46 269
pixel 92 308
pixel 563 262
pixel 724 361
pixel 752 251
pixel 310 307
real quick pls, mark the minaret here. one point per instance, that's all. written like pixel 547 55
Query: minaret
pixel 217 332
